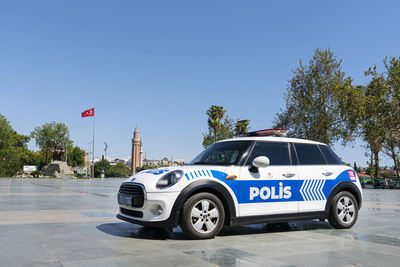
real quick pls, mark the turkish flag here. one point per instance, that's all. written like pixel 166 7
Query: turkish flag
pixel 88 113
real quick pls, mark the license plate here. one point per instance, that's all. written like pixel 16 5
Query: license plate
pixel 125 200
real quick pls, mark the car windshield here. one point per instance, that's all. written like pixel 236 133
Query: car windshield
pixel 224 153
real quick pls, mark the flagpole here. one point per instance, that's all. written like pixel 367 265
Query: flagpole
pixel 93 150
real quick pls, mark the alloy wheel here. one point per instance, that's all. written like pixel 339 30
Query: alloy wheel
pixel 205 216
pixel 345 209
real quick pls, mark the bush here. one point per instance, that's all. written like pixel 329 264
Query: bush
pixel 145 167
pixel 36 174
pixel 79 175
pixel 119 170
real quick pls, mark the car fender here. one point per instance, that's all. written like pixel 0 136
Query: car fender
pixel 202 185
pixel 342 186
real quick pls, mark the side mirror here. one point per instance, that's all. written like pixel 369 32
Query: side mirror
pixel 259 162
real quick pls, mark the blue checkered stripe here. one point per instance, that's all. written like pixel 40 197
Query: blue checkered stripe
pixel 198 173
pixel 311 190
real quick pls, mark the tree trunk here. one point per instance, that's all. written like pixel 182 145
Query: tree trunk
pixel 394 157
pixel 397 169
pixel 372 165
pixel 376 156
pixel 396 166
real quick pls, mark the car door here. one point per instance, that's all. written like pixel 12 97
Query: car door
pixel 314 173
pixel 269 190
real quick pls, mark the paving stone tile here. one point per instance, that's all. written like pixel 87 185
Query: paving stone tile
pixel 90 236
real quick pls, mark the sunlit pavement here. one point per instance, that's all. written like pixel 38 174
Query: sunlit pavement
pixel 72 223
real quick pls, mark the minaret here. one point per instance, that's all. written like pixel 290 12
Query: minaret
pixel 141 154
pixel 136 149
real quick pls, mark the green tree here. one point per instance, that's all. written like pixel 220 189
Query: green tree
pixel 9 163
pixel 9 137
pixel 375 114
pixel 29 157
pixel 145 167
pixel 241 126
pixel 391 145
pixel 76 156
pixel 355 166
pixel 227 128
pixel 14 152
pixel 50 137
pixel 119 170
pixel 215 115
pixel 321 103
pixel 221 126
pixel 100 166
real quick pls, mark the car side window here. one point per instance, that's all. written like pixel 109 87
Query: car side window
pixel 330 156
pixel 278 153
pixel 309 154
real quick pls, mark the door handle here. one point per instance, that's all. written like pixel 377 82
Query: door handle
pixel 288 175
pixel 327 173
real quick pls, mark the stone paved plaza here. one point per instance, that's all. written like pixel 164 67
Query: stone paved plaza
pixel 68 222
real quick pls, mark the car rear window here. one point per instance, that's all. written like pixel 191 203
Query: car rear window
pixel 309 154
pixel 330 156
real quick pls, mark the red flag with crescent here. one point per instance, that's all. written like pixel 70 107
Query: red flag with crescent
pixel 88 113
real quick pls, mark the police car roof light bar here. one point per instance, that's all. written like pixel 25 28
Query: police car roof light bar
pixel 281 132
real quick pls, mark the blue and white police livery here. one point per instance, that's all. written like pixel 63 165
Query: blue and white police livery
pixel 253 178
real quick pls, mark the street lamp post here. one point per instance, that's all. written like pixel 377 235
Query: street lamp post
pixel 105 150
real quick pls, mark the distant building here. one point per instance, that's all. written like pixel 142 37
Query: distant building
pixel 116 160
pixel 179 162
pixel 151 162
pixel 87 162
pixel 136 159
pixel 162 162
pixel 363 175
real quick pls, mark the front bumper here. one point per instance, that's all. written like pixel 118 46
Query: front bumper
pixel 156 210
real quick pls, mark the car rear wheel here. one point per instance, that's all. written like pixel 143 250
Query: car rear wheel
pixel 203 216
pixel 344 210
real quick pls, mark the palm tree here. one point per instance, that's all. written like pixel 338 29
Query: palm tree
pixel 242 126
pixel 215 115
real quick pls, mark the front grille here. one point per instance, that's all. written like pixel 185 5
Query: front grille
pixel 133 213
pixel 134 190
pixel 131 189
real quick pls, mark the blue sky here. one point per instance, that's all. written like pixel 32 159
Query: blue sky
pixel 161 64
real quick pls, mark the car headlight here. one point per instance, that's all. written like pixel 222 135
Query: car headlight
pixel 169 179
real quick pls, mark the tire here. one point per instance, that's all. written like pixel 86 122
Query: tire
pixel 203 216
pixel 344 210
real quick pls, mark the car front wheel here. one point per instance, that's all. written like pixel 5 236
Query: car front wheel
pixel 344 210
pixel 203 216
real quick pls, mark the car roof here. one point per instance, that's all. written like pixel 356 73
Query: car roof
pixel 273 139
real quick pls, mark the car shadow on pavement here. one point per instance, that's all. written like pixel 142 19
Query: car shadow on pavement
pixel 274 228
pixel 128 230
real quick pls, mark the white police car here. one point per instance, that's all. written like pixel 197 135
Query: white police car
pixel 254 178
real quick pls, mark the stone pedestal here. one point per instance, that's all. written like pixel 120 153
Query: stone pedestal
pixel 57 169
